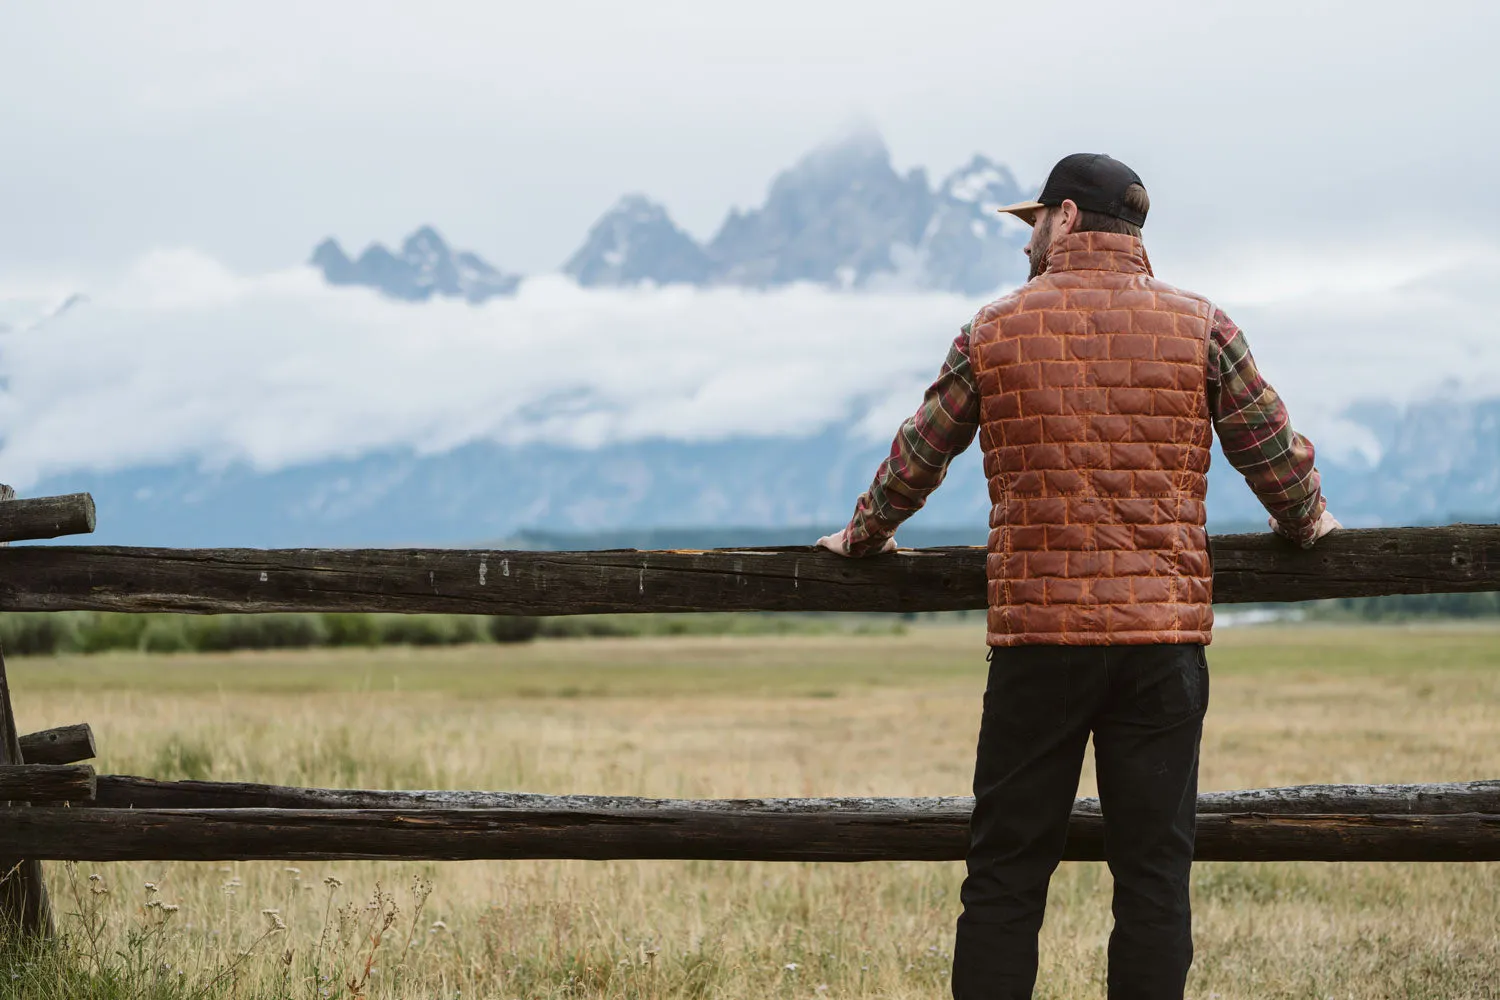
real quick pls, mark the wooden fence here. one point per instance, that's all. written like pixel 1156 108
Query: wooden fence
pixel 59 808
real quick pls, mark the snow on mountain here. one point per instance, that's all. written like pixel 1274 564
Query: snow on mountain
pixel 967 244
pixel 637 241
pixel 426 266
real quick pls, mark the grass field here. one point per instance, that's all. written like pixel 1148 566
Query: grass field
pixel 737 716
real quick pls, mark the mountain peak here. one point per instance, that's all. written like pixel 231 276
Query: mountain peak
pixel 636 241
pixel 424 239
pixel 336 266
pixel 861 144
pixel 638 208
pixel 426 266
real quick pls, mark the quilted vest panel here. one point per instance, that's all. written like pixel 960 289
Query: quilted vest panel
pixel 1096 432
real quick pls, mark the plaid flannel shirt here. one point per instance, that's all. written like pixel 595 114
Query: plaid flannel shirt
pixel 1249 417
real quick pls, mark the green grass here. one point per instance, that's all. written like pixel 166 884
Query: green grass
pixel 62 632
pixel 800 665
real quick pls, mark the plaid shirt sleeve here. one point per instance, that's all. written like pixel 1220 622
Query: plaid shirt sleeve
pixel 1256 434
pixel 943 426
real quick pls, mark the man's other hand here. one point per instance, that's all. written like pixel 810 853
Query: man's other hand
pixel 838 543
pixel 1325 524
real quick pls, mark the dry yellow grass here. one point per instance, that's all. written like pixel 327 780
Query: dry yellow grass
pixel 837 715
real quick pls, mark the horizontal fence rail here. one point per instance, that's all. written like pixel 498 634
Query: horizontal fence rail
pixel 1247 568
pixel 145 819
pixel 123 791
pixel 47 783
pixel 56 833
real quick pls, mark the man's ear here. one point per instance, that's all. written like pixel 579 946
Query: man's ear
pixel 1067 217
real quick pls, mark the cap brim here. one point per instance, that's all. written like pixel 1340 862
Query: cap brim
pixel 1023 210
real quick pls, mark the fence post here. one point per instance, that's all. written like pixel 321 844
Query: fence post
pixel 24 906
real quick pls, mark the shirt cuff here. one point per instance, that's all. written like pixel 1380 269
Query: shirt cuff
pixel 861 540
pixel 1304 530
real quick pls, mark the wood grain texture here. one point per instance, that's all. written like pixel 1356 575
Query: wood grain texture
pixel 127 791
pixel 471 834
pixel 47 782
pixel 46 517
pixel 25 908
pixel 1355 563
pixel 1420 799
pixel 61 745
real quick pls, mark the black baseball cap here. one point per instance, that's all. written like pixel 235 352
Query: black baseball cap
pixel 1093 181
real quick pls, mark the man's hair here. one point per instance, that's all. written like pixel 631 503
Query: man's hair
pixel 1097 222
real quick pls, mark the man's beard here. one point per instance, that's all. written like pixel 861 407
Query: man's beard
pixel 1041 244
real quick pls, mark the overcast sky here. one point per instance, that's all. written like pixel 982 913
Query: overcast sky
pixel 1324 170
pixel 249 131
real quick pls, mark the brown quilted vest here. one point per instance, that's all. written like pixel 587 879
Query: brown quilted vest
pixel 1096 434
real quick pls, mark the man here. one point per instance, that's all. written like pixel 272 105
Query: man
pixel 1095 389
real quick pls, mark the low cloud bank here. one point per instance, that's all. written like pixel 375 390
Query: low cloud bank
pixel 184 359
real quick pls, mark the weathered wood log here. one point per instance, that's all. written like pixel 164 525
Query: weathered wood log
pixel 1418 799
pixel 127 791
pixel 471 834
pixel 130 792
pixel 46 517
pixel 1355 563
pixel 24 906
pixel 47 782
pixel 62 745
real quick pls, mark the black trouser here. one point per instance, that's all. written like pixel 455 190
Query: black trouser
pixel 1144 705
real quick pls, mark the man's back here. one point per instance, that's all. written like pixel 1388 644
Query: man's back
pixel 1096 430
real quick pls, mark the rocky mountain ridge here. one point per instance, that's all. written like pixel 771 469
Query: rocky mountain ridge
pixel 841 217
pixel 424 267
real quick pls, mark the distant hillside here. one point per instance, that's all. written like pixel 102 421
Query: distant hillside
pixel 1437 463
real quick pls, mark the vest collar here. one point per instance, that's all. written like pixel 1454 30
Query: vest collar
pixel 1098 252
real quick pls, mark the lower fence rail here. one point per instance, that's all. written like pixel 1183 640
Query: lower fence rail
pixel 143 819
pixel 54 833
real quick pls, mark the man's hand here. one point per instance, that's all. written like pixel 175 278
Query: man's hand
pixel 1325 524
pixel 838 543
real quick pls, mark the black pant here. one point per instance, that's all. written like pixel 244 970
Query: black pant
pixel 1145 706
